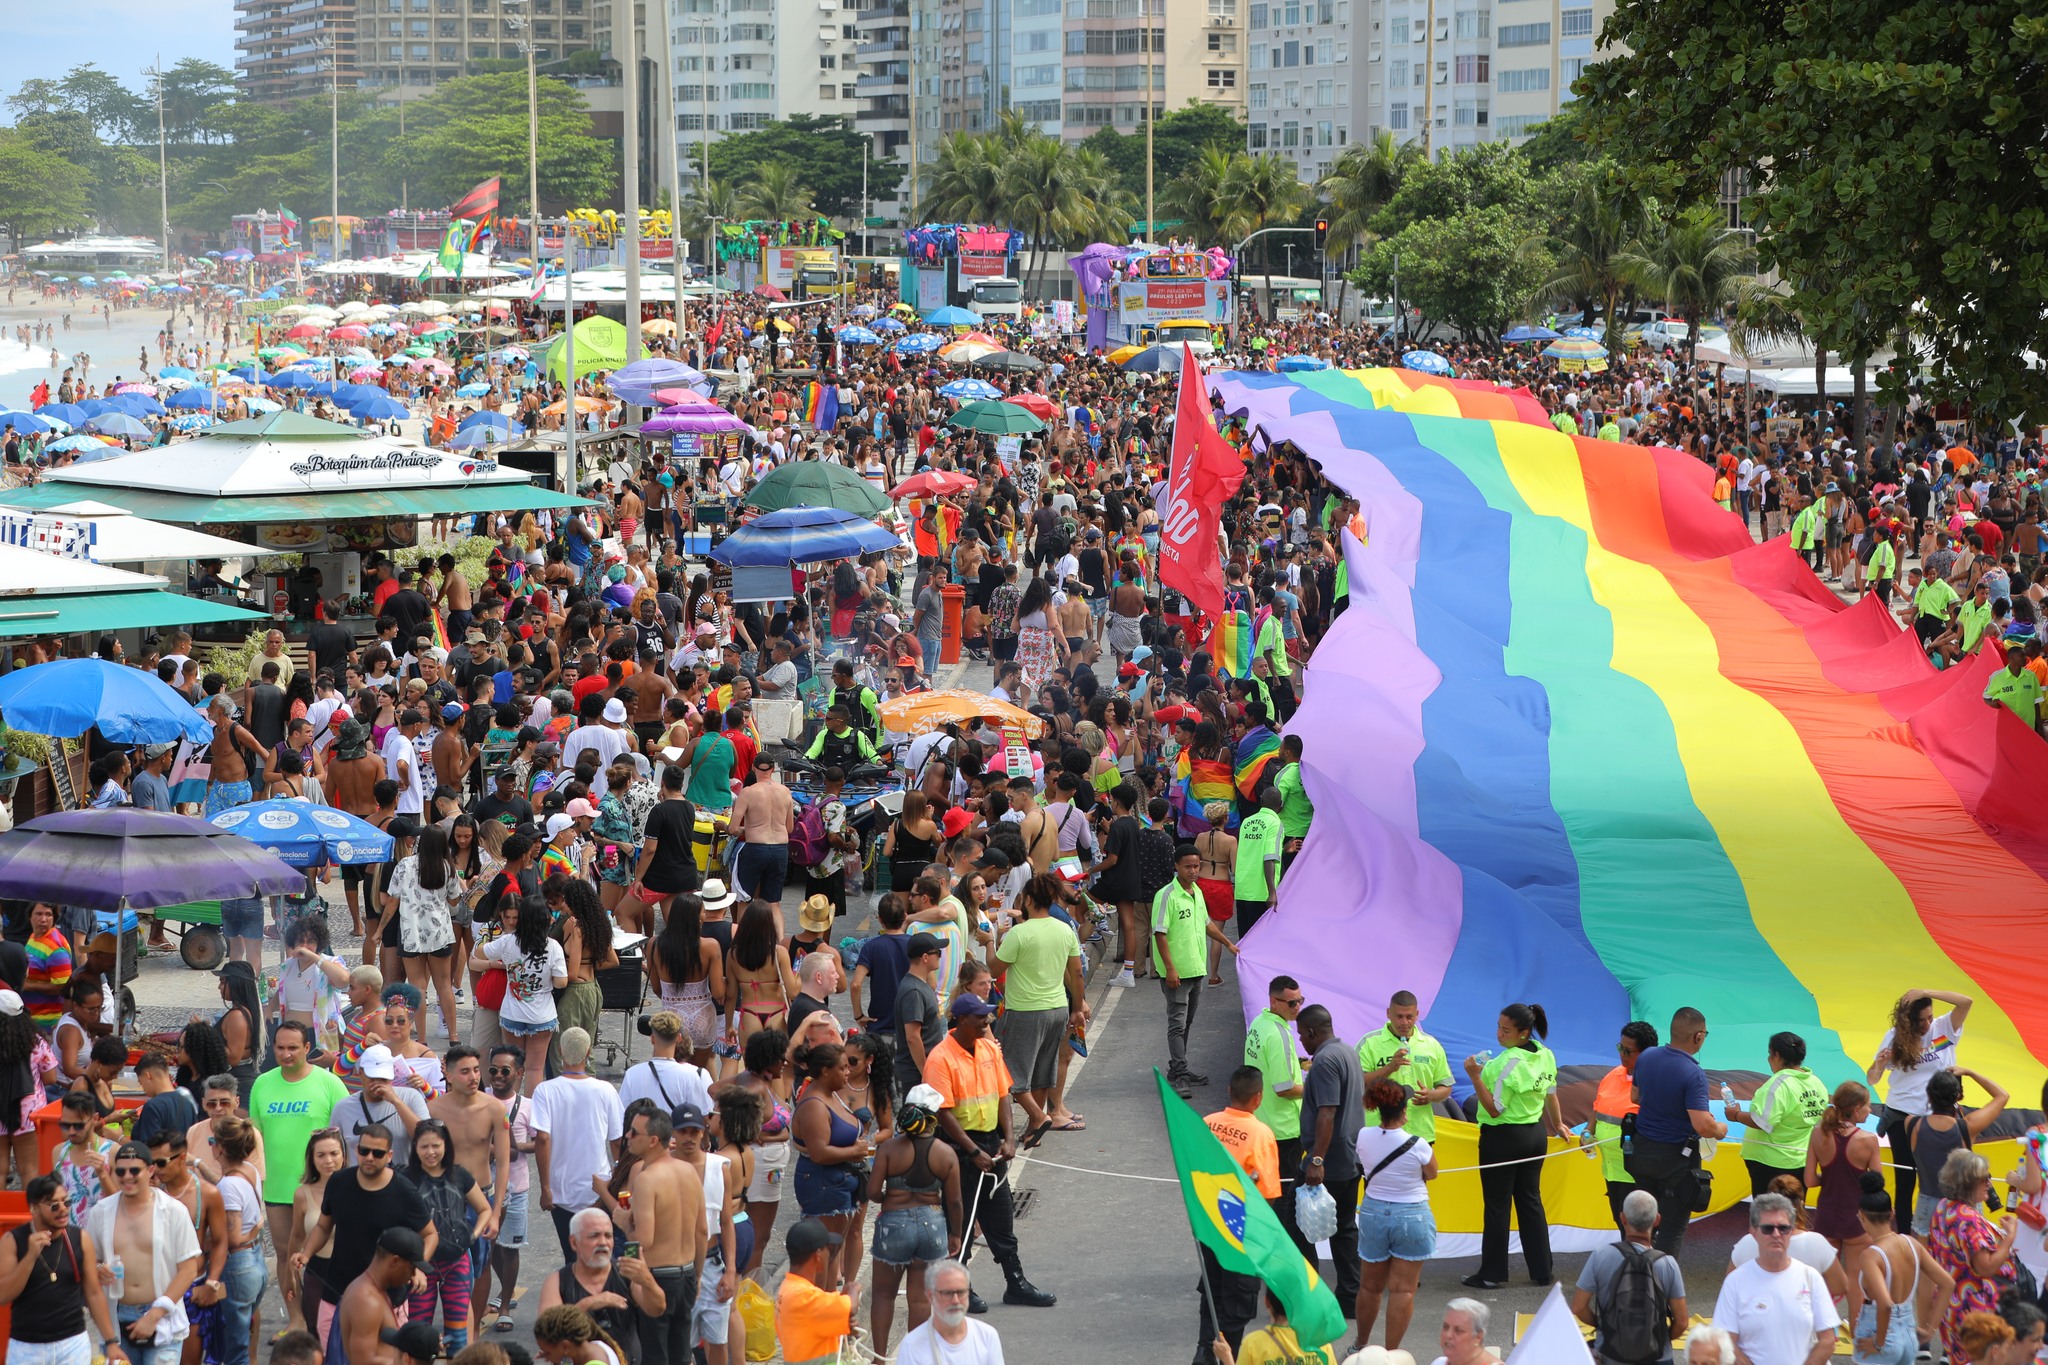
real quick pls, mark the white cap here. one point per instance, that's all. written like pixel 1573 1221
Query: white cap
pixel 925 1097
pixel 377 1063
pixel 558 823
pixel 615 711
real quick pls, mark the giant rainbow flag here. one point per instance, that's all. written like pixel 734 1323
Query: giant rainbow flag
pixel 1578 740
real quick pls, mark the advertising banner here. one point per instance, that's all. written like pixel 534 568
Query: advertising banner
pixel 1150 302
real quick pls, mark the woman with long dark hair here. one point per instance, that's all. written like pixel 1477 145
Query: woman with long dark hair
pixel 472 863
pixel 587 949
pixel 759 987
pixel 831 1163
pixel 534 970
pixel 25 1059
pixel 240 1025
pixel 451 1195
pixel 1918 1044
pixel 688 972
pixel 911 843
pixel 1517 1093
pixel 201 1052
pixel 420 890
pixel 1040 646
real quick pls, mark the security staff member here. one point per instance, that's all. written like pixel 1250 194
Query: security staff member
pixel 1672 1090
pixel 1782 1114
pixel 1882 568
pixel 1934 602
pixel 2016 687
pixel 1613 1102
pixel 839 745
pixel 862 709
pixel 1402 1053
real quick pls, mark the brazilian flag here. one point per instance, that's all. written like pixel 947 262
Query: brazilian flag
pixel 450 256
pixel 1230 1217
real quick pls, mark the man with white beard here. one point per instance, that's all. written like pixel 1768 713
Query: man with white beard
pixel 949 1336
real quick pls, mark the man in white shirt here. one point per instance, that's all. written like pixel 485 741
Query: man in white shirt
pixel 577 1123
pixel 607 736
pixel 949 1336
pixel 701 648
pixel 152 1235
pixel 402 762
pixel 1777 1309
pixel 328 711
pixel 662 1078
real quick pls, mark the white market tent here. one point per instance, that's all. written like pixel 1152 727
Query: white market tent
pixel 1794 381
pixel 409 265
pixel 120 537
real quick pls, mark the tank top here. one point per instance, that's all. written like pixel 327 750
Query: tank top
pixel 619 1323
pixel 1841 1194
pixel 51 1306
pixel 1931 1148
pixel 843 1132
pixel 919 1178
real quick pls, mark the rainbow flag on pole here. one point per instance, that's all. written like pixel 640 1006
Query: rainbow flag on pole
pixel 821 405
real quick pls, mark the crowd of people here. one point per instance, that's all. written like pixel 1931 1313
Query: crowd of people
pixel 581 790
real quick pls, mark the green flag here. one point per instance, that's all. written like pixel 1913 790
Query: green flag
pixel 1230 1217
pixel 450 257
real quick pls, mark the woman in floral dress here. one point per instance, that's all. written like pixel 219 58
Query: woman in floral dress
pixel 1969 1246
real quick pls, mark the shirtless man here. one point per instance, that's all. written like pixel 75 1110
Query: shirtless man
pixel 365 1310
pixel 667 1219
pixel 476 1123
pixel 129 1226
pixel 219 1097
pixel 1075 618
pixel 229 786
pixel 1126 612
pixel 353 773
pixel 761 819
pixel 719 1281
pixel 455 598
pixel 452 755
pixel 651 691
pixel 200 1198
pixel 631 513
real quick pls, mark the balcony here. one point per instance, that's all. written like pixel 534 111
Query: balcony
pixel 870 52
pixel 873 86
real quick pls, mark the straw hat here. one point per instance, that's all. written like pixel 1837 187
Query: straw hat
pixel 816 916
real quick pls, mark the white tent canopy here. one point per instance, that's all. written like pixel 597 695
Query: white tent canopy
pixel 409 265
pixel 1797 381
pixel 25 572
pixel 120 537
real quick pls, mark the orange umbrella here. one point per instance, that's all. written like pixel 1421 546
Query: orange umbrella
pixel 920 713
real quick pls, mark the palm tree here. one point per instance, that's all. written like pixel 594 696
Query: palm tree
pixel 1358 186
pixel 1595 251
pixel 1260 191
pixel 966 184
pixel 1040 192
pixel 1197 195
pixel 1107 207
pixel 1763 316
pixel 1697 265
pixel 776 192
pixel 709 203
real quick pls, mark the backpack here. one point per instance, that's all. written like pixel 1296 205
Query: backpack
pixel 807 843
pixel 450 1212
pixel 1635 1319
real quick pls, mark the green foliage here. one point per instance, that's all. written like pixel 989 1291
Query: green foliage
pixel 1594 242
pixel 1557 142
pixel 1490 175
pixel 236 664
pixel 41 193
pixel 1472 270
pixel 1895 150
pixel 1178 141
pixel 1196 197
pixel 777 193
pixel 824 154
pixel 1056 195
pixel 1695 265
pixel 475 126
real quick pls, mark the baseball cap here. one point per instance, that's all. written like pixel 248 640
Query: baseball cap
pixel 615 711
pixel 558 823
pixel 158 750
pixel 1129 671
pixel 580 809
pixel 415 1340
pixel 473 636
pixel 967 1004
pixel 956 822
pixel 452 711
pixel 917 945
pixel 405 1244
pixel 377 1063
pixel 806 1238
pixel 1141 653
pixel 686 1115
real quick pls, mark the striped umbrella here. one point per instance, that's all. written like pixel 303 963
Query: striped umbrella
pixel 1577 354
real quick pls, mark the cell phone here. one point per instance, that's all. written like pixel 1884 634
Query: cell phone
pixel 630 1250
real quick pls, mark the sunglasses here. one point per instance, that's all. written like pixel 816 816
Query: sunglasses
pixel 501 1071
pixel 1774 1229
pixel 373 1153
pixel 72 1125
pixel 1293 999
pixel 160 1162
pixel 131 1172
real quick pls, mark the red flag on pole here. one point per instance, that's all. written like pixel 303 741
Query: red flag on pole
pixel 1203 473
pixel 711 337
pixel 479 203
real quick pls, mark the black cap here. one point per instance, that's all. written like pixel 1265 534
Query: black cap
pixel 403 1243
pixel 418 1340
pixel 806 1238
pixel 917 945
pixel 686 1115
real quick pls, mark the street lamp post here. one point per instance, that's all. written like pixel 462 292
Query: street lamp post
pixel 629 215
pixel 524 27
pixel 163 180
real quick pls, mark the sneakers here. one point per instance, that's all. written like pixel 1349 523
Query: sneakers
pixel 1126 979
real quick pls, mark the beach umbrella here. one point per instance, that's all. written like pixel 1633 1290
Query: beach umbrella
pixel 193 400
pixel 146 390
pixel 685 400
pixel 289 379
pixel 70 414
pixel 889 326
pixel 816 483
pixel 919 343
pixel 364 373
pixel 865 310
pixel 305 835
pixel 477 390
pixel 933 483
pixel 238 255
pixel 119 424
pixel 1528 332
pixel 1427 362
pixel 136 404
pixel 1576 354
pixel 713 421
pixel 474 437
pixel 951 316
pixel 27 423
pixel 75 445
pixel 1154 360
pixel 496 420
pixel 802 535
pixel 379 409
pixel 130 858
pixel 1582 333
pixel 1008 362
pixel 995 419
pixel 859 336
pixel 1294 363
pixel 175 372
pixel 968 390
pixel 260 405
pixel 67 697
pixel 1037 404
pixel 921 713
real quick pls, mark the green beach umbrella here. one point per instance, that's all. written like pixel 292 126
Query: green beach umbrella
pixel 815 483
pixel 993 417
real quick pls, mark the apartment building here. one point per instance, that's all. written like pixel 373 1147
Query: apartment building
pixel 283 47
pixel 1306 91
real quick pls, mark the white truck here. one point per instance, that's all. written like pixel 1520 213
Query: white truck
pixel 997 296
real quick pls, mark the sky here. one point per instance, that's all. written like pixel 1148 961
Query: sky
pixel 121 37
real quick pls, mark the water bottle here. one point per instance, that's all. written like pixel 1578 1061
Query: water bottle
pixel 1585 1131
pixel 1727 1093
pixel 1485 1056
pixel 120 1274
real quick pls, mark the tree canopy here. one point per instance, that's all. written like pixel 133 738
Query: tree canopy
pixel 824 154
pixel 1178 140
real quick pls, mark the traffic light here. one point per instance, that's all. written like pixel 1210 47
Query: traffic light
pixel 1322 232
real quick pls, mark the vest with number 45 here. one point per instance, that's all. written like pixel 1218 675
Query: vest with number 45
pixel 1635 1316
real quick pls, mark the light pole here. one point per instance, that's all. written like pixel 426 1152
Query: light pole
pixel 629 215
pixel 524 28
pixel 163 174
pixel 333 61
pixel 1151 233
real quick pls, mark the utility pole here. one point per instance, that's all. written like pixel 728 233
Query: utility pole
pixel 401 142
pixel 629 214
pixel 867 248
pixel 1428 78
pixel 568 343
pixel 914 29
pixel 1397 326
pixel 334 148
pixel 524 27
pixel 163 168
pixel 1151 235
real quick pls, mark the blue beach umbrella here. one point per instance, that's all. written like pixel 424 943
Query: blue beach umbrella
pixel 969 390
pixel 305 835
pixel 802 535
pixel 1427 362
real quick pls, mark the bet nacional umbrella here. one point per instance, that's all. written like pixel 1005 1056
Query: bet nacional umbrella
pixel 968 390
pixel 1425 362
pixel 996 419
pixel 815 483
pixel 67 697
pixel 1294 363
pixel 1528 332
pixel 919 343
pixel 305 835
pixel 920 713
pixel 860 336
pixel 802 535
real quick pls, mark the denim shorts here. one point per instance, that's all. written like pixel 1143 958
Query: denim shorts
pixel 242 917
pixel 512 1226
pixel 824 1191
pixel 1900 1345
pixel 906 1236
pixel 512 1028
pixel 1405 1232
